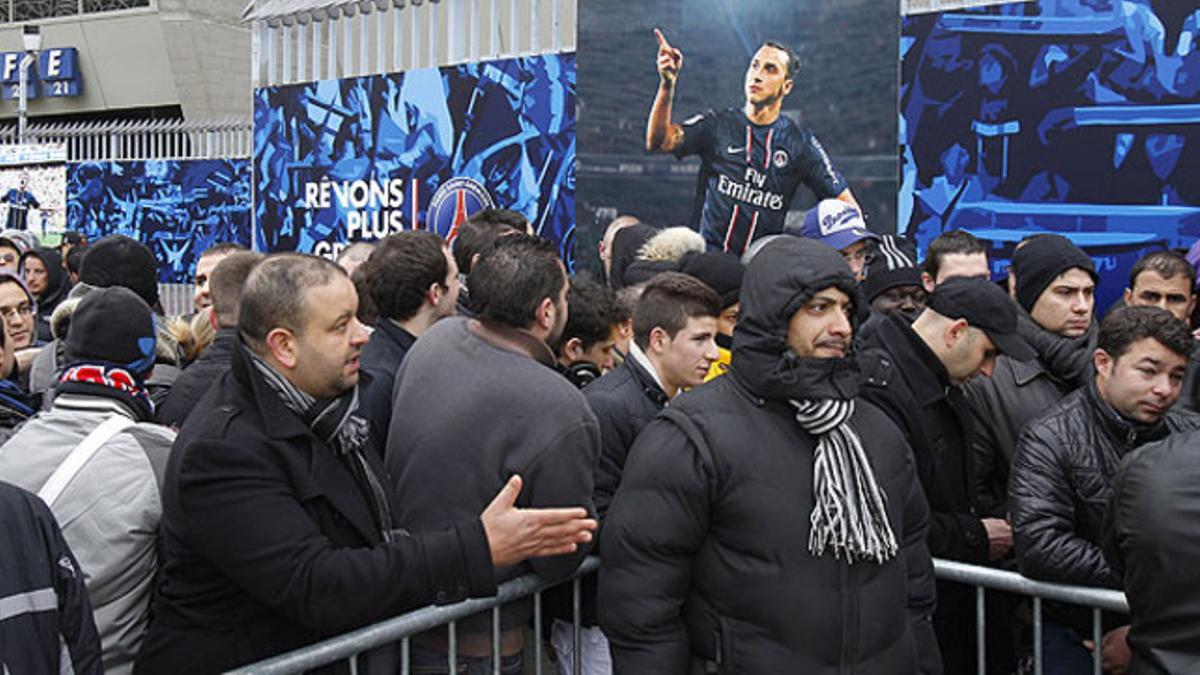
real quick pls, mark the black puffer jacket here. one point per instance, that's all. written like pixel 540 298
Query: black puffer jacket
pixel 1015 394
pixel 1062 483
pixel 1151 539
pixel 624 401
pixel 705 547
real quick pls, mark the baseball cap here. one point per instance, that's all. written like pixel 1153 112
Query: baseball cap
pixel 835 223
pixel 986 307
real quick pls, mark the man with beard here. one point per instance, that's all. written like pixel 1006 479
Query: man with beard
pixel 913 374
pixel 478 400
pixel 1065 461
pixel 752 157
pixel 1056 289
pixel 729 546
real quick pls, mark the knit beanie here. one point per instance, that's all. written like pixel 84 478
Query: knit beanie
pixel 721 272
pixel 112 325
pixel 1041 260
pixel 117 260
pixel 894 264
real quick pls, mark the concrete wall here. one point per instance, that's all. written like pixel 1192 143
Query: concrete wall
pixel 192 53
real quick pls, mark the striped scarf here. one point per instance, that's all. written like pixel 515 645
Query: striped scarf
pixel 334 421
pixel 849 514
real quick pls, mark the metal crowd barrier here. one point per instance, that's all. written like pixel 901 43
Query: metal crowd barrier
pixel 348 646
pixel 987 578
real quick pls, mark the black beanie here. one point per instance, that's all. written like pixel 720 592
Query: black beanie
pixel 1041 260
pixel 117 260
pixel 112 325
pixel 719 271
pixel 894 264
pixel 625 245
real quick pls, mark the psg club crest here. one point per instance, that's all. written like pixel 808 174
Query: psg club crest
pixel 453 203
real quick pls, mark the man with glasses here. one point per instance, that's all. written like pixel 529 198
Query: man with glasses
pixel 17 306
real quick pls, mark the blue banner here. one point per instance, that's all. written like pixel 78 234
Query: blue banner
pixel 1074 118
pixel 357 159
pixel 178 208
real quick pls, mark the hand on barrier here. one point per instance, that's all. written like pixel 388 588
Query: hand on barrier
pixel 670 59
pixel 518 534
pixel 1114 650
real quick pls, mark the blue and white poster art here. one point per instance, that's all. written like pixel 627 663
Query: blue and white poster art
pixel 178 208
pixel 357 159
pixel 1081 118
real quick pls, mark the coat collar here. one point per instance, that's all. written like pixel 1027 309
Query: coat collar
pixel 649 383
pixel 513 340
pixel 394 333
pixel 325 468
pixel 1128 434
pixel 927 376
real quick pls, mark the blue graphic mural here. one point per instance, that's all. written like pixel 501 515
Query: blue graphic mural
pixel 361 158
pixel 1075 116
pixel 178 208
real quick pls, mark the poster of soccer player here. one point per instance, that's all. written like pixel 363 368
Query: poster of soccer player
pixel 1081 118
pixel 733 118
pixel 177 208
pixel 33 197
pixel 357 159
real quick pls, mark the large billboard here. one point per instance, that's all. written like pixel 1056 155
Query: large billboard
pixel 1081 118
pixel 178 208
pixel 357 159
pixel 844 94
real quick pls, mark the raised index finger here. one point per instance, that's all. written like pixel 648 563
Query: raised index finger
pixel 662 39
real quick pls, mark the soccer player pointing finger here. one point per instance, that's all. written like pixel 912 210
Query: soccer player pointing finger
pixel 752 158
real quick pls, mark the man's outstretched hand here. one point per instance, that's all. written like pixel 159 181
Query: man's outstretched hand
pixel 518 534
pixel 670 59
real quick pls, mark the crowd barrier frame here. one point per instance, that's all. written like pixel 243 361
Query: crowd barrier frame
pixel 348 646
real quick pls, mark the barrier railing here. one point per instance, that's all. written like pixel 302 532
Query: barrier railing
pixel 349 646
pixel 987 578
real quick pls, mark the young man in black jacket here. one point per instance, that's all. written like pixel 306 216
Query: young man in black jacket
pixel 913 373
pixel 277 530
pixel 1056 291
pixel 1062 472
pixel 413 280
pixel 584 351
pixel 721 547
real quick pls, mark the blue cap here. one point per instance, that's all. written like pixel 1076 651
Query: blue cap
pixel 836 224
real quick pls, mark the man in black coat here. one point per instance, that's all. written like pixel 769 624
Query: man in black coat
pixel 1062 474
pixel 225 292
pixel 913 374
pixel 725 547
pixel 276 529
pixel 413 280
pixel 1151 539
pixel 1056 291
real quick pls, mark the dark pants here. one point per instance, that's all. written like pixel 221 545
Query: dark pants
pixel 956 633
pixel 1063 652
pixel 434 663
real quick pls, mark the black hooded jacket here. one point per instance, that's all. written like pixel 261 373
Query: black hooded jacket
pixel 705 546
pixel 56 289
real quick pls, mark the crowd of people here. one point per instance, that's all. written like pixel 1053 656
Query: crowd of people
pixel 766 451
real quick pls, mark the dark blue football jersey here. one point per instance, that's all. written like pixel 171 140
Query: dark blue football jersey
pixel 749 174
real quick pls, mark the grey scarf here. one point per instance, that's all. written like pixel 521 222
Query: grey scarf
pixel 849 514
pixel 335 422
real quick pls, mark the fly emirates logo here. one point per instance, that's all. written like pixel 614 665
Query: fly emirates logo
pixel 750 190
